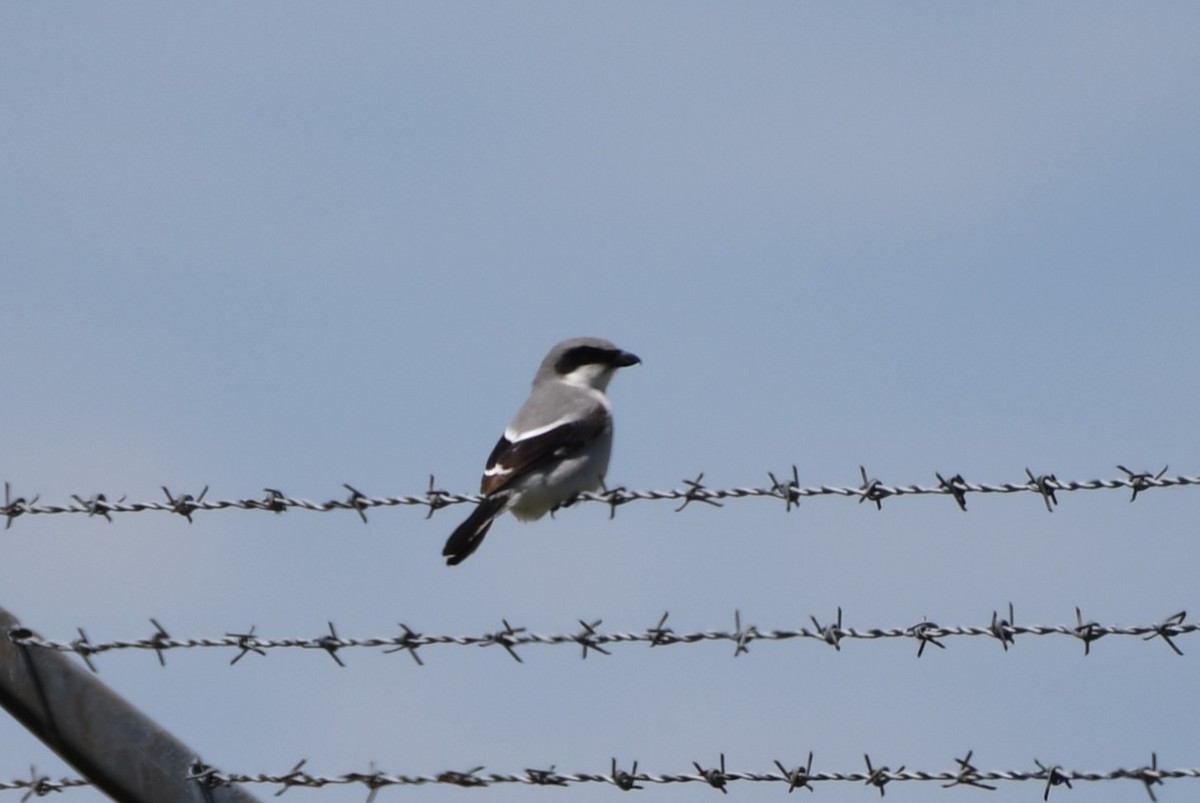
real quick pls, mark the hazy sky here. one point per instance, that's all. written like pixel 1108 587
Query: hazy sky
pixel 296 245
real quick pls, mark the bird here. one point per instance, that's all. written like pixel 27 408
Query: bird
pixel 556 446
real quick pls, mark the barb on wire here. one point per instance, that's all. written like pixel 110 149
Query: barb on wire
pixel 296 776
pixel 1140 481
pixel 409 642
pixel 625 781
pixel 660 634
pixel 1168 628
pixel 83 647
pixel 716 778
pixel 357 501
pixel 966 774
pixel 185 504
pixel 591 638
pixel 467 778
pixel 331 644
pixel 373 779
pixel 157 640
pixel 789 492
pixel 613 497
pixel 274 501
pixel 246 643
pixel 1004 629
pixel 1087 632
pixel 588 638
pixel 1045 484
pixel 881 776
pixel 1149 776
pixel 98 505
pixel 545 777
pixel 831 633
pixel 742 638
pixel 15 507
pixel 797 777
pixel 924 632
pixel 1054 777
pixel 434 499
pixel 872 491
pixel 41 785
pixel 697 492
pixel 957 487
pixel 510 637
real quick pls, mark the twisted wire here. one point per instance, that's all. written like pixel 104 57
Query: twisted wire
pixel 796 776
pixel 787 489
pixel 40 785
pixel 589 639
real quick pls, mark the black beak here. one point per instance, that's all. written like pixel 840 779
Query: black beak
pixel 623 359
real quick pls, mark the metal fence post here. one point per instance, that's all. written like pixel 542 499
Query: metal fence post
pixel 114 745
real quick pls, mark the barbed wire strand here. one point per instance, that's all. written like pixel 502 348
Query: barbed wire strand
pixel 41 785
pixel 797 776
pixel 433 499
pixel 589 639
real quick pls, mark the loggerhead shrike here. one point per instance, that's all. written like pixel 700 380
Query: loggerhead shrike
pixel 556 446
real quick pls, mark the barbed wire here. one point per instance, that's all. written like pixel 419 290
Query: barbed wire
pixel 40 785
pixel 796 776
pixel 433 499
pixel 590 639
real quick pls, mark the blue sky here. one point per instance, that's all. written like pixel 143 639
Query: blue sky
pixel 300 245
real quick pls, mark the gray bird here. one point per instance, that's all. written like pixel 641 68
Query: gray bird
pixel 556 446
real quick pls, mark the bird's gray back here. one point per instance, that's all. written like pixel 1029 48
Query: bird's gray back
pixel 552 402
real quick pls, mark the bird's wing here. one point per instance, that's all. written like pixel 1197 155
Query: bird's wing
pixel 529 451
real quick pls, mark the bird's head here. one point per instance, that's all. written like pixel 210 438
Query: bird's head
pixel 588 362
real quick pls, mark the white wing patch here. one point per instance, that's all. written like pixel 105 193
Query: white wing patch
pixel 512 436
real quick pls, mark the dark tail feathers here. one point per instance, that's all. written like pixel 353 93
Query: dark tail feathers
pixel 469 535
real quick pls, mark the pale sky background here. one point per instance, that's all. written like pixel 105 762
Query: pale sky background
pixel 295 245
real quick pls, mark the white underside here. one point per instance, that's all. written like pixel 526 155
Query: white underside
pixel 539 492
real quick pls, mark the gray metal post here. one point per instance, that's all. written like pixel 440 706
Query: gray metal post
pixel 115 746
